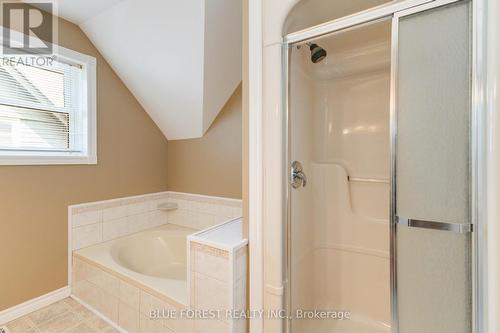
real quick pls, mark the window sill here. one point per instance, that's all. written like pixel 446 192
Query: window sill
pixel 53 159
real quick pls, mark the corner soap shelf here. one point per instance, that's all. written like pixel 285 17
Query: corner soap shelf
pixel 167 207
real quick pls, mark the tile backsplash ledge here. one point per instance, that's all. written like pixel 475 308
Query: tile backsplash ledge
pixel 95 222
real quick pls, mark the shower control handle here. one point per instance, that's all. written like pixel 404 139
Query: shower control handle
pixel 298 177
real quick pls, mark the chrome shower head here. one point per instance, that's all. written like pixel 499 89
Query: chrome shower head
pixel 317 52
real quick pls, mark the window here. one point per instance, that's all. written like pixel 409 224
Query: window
pixel 47 109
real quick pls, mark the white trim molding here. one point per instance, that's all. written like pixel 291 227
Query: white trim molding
pixel 255 133
pixel 34 304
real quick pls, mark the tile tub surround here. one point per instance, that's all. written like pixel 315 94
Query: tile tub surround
pixel 123 301
pixel 217 276
pixel 127 302
pixel 200 211
pixel 217 267
pixel 97 222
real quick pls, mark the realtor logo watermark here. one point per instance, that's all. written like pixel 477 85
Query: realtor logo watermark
pixel 29 27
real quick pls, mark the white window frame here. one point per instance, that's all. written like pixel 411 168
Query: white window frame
pixel 89 153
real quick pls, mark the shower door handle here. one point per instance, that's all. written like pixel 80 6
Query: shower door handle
pixel 461 228
pixel 297 175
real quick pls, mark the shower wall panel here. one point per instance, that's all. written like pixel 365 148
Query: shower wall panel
pixel 339 128
pixel 351 236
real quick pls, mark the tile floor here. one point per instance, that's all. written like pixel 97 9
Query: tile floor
pixel 66 316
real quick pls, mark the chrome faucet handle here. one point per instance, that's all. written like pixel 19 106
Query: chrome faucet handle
pixel 298 177
pixel 302 175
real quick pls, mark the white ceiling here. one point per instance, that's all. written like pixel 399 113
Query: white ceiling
pixel 180 59
pixel 80 11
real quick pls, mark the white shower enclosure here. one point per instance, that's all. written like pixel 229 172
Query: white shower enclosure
pixel 382 168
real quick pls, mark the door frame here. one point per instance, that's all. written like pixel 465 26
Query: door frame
pixel 255 163
pixel 478 144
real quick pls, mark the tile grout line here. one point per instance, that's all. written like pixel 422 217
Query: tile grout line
pixel 31 323
pixel 96 313
pixel 82 320
pixel 68 309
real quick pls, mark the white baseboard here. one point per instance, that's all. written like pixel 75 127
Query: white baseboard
pixel 33 305
pixel 100 315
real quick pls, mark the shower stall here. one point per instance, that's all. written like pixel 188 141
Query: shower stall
pixel 381 172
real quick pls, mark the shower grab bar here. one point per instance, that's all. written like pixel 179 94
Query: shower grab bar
pixel 367 180
pixel 443 226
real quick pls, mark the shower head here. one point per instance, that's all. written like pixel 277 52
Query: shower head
pixel 317 52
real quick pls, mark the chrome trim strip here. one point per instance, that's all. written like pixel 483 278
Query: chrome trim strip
pixel 478 168
pixel 424 7
pixel 443 226
pixel 393 140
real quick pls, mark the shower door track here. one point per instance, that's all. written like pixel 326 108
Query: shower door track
pixel 477 138
pixel 366 16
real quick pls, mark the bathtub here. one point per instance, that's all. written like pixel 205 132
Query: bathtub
pixel 154 258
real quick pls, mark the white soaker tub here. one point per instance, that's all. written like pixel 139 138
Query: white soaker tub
pixel 155 258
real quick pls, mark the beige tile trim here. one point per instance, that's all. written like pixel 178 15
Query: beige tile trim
pixel 209 250
pixel 97 205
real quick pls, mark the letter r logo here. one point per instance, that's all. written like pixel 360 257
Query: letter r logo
pixel 34 20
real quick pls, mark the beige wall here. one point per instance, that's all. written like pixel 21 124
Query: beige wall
pixel 210 165
pixel 132 159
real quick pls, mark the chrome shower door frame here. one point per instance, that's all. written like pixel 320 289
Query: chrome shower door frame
pixel 394 11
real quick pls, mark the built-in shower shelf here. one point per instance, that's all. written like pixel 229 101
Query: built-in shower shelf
pixel 167 207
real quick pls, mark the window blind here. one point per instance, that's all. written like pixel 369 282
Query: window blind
pixel 40 107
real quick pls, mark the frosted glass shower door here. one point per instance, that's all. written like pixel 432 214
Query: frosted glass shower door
pixel 432 163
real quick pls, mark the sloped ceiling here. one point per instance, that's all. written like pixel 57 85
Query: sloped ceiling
pixel 181 59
